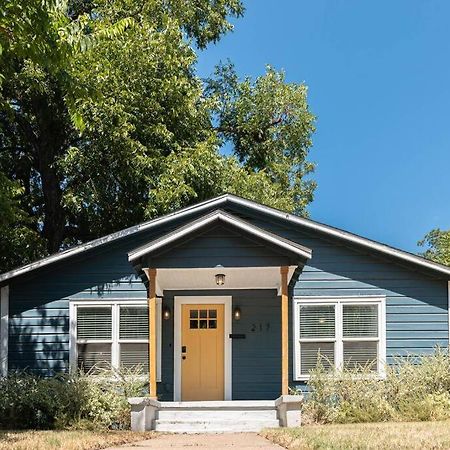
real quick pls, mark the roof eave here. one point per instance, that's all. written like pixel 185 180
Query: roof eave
pixel 219 215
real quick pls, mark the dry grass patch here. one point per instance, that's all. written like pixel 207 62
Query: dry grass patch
pixel 367 436
pixel 67 440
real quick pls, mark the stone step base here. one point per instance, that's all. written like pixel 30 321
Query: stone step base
pixel 214 426
pixel 216 414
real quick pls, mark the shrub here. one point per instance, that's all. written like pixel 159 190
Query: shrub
pixel 414 388
pixel 65 401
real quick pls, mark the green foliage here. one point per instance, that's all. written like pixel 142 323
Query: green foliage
pixel 415 388
pixel 15 231
pixel 104 122
pixel 63 401
pixel 200 173
pixel 269 125
pixel 437 243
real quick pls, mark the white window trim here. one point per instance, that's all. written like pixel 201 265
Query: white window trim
pixel 4 330
pixel 199 300
pixel 115 341
pixel 339 301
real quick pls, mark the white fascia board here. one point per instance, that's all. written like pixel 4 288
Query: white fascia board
pixel 111 237
pixel 307 223
pixel 344 235
pixel 220 215
pixel 4 330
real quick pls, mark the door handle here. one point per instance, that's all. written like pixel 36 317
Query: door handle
pixel 183 357
pixel 183 349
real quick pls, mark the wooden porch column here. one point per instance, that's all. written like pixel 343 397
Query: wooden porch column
pixel 284 331
pixel 152 332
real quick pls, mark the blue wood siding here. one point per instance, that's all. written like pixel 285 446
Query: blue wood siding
pixel 39 301
pixel 416 302
pixel 417 315
pixel 220 245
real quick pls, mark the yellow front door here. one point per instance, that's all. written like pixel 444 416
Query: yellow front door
pixel 202 352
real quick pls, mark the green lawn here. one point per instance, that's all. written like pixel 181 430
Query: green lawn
pixel 67 440
pixel 380 436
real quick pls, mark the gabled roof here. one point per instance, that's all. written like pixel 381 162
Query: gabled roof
pixel 399 255
pixel 220 216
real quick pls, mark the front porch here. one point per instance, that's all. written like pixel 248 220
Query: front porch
pixel 223 286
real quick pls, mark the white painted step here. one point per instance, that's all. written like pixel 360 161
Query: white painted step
pixel 213 426
pixel 216 417
pixel 215 414
pixel 227 404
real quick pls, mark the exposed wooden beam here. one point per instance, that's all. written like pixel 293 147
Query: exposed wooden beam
pixel 152 332
pixel 284 331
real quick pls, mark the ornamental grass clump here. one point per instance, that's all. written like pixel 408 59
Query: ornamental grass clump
pixel 80 401
pixel 414 388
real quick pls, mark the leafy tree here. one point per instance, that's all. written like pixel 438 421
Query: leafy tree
pixel 15 234
pixel 119 128
pixel 438 246
pixel 269 125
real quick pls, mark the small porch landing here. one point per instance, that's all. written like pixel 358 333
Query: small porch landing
pixel 215 416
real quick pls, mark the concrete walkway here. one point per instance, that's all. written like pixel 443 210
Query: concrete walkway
pixel 247 441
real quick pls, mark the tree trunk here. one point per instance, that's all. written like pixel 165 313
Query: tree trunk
pixel 54 131
pixel 54 216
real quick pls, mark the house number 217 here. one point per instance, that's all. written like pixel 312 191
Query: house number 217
pixel 260 327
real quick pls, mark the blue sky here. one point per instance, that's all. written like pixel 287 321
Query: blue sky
pixel 379 82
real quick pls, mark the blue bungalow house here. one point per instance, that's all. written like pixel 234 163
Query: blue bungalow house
pixel 224 300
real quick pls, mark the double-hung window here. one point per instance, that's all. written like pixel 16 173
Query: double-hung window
pixel 112 334
pixel 343 332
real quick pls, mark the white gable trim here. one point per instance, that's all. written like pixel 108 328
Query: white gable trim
pixel 218 201
pixel 4 330
pixel 344 235
pixel 112 237
pixel 229 219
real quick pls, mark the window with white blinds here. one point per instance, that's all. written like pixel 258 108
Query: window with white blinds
pixel 339 333
pixel 112 334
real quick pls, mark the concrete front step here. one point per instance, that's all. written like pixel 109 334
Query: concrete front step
pixel 216 414
pixel 213 426
pixel 212 416
pixel 226 404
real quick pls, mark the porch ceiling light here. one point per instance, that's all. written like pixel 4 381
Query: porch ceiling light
pixel 220 279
